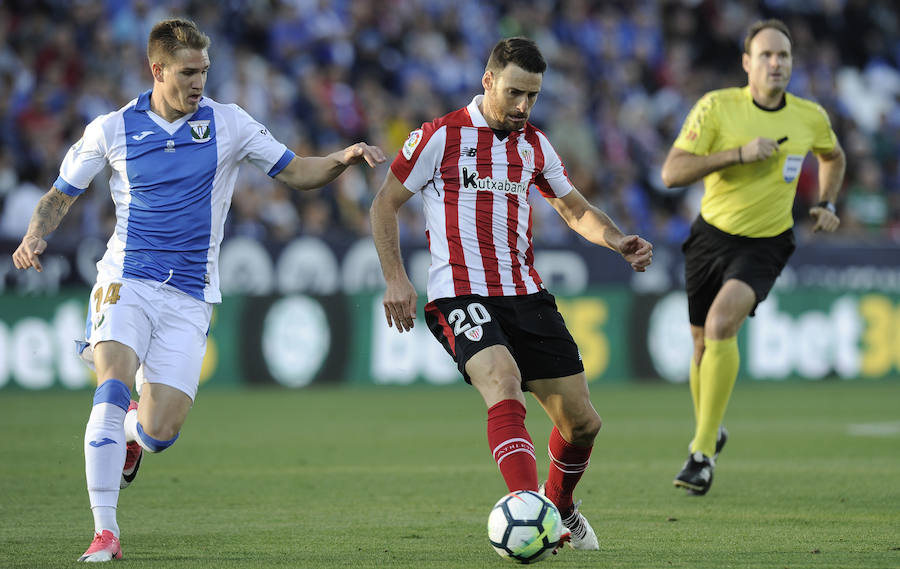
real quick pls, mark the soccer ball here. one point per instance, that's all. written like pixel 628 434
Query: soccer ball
pixel 524 527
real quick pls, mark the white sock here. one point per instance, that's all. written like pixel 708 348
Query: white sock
pixel 105 518
pixel 104 457
pixel 131 434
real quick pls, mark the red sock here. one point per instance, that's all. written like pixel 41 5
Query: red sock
pixel 567 463
pixel 511 445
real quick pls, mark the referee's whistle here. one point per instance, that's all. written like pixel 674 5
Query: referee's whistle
pixel 781 140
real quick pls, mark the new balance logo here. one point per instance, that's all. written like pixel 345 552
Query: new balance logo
pixel 144 134
pixel 468 151
pixel 104 442
pixel 471 180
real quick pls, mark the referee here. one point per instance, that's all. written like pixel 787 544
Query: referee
pixel 748 145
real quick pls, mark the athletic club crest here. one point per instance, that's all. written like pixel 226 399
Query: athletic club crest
pixel 199 130
pixel 475 333
pixel 527 157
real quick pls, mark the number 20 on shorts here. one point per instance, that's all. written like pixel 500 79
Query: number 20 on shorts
pixel 476 312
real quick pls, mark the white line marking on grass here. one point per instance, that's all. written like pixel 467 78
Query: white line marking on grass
pixel 885 429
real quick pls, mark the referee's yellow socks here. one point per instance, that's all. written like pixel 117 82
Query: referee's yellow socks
pixel 695 388
pixel 718 372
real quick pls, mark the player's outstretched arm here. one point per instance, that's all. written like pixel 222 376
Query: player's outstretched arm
pixel 310 172
pixel 831 177
pixel 50 210
pixel 400 295
pixel 595 226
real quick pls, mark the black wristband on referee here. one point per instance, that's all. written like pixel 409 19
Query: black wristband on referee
pixel 827 205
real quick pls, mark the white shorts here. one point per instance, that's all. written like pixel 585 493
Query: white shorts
pixel 164 326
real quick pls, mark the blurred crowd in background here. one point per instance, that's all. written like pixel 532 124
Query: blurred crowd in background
pixel 323 74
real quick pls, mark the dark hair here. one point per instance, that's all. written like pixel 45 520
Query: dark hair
pixel 518 51
pixel 168 36
pixel 761 25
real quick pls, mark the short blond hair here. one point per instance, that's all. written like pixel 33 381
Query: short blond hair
pixel 168 36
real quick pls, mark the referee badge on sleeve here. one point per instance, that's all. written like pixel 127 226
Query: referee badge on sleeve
pixel 792 165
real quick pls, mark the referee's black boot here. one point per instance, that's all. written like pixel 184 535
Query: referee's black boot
pixel 721 439
pixel 696 475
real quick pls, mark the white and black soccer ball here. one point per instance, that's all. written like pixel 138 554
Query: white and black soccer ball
pixel 524 527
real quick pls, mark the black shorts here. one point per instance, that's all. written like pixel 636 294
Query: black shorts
pixel 712 256
pixel 530 326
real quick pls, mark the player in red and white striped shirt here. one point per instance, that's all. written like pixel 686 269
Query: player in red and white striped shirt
pixel 487 305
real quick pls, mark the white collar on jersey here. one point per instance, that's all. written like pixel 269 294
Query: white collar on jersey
pixel 169 127
pixel 143 104
pixel 475 113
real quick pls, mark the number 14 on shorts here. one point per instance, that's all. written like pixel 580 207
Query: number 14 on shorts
pixel 112 295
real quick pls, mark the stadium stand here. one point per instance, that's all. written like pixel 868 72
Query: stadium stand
pixel 321 74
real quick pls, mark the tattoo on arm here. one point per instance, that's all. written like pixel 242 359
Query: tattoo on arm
pixel 49 212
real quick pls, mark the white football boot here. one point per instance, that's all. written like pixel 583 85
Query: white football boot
pixel 582 534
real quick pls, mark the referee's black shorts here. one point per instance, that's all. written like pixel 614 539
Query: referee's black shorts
pixel 530 326
pixel 712 256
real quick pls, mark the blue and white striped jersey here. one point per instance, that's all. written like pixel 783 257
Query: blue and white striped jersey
pixel 172 185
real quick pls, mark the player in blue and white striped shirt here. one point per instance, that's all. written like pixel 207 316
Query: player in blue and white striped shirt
pixel 174 156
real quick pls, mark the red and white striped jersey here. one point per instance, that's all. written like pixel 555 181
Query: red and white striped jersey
pixel 475 189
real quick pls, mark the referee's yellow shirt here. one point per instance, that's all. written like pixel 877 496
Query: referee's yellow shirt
pixel 755 199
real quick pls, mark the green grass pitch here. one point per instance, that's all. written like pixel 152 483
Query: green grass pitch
pixel 402 477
